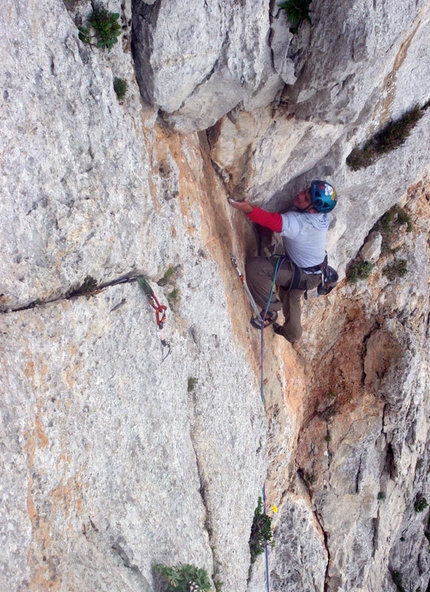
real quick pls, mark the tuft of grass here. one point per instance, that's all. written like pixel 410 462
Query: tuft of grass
pixel 297 11
pixel 420 504
pixel 168 274
pixel 395 269
pixel 89 285
pixel 103 27
pixel 397 577
pixel 397 580
pixel 181 578
pixel 390 137
pixel 390 223
pixel 359 270
pixel 261 532
pixel 310 478
pixel 173 297
pixel 120 87
pixel 381 496
pixel 192 383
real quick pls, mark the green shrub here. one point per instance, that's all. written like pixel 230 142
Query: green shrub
pixel 105 26
pixel 181 578
pixel 389 224
pixel 393 219
pixel 381 496
pixel 297 11
pixel 359 270
pixel 168 275
pixel 397 579
pixel 395 269
pixel 261 533
pixel 390 137
pixel 420 504
pixel 192 383
pixel 310 478
pixel 172 297
pixel 120 87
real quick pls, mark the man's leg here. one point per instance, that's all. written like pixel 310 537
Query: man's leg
pixel 292 309
pixel 259 277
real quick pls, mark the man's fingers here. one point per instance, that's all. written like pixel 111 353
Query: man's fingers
pixel 243 206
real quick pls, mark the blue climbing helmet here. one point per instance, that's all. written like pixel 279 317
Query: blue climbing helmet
pixel 323 196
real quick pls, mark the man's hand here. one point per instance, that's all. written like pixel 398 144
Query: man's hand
pixel 243 206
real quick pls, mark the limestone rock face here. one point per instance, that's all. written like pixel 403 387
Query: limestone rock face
pixel 127 440
pixel 200 68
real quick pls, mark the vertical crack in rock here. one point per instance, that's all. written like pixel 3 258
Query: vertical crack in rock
pixel 204 496
pixel 375 527
pixel 319 521
pixel 324 533
pixel 358 476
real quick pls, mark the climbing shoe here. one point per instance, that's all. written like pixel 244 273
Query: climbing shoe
pixel 277 328
pixel 258 322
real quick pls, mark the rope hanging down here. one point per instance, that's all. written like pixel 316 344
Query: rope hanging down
pixel 258 314
pixel 269 300
pixel 160 311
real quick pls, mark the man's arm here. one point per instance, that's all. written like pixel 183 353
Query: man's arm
pixel 270 220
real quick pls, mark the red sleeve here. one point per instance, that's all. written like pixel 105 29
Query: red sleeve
pixel 270 220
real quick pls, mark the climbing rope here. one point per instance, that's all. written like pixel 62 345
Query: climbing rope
pixel 269 300
pixel 256 310
pixel 160 311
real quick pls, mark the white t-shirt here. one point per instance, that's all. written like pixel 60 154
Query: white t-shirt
pixel 304 237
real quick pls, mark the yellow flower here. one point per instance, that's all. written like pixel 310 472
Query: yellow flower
pixel 275 509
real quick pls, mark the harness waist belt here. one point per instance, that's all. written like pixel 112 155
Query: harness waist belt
pixel 313 269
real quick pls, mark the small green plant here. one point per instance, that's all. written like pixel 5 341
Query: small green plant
pixel 397 579
pixel 395 269
pixel 88 286
pixel 420 504
pixel 393 219
pixel 327 438
pixel 391 136
pixel 218 585
pixel 181 578
pixel 359 270
pixel 102 26
pixel 172 297
pixel 120 87
pixel 168 274
pixel 389 224
pixel 310 478
pixel 192 383
pixel 297 11
pixel 381 496
pixel 261 532
pixel 403 218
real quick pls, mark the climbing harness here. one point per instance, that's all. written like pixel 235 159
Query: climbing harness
pixel 160 311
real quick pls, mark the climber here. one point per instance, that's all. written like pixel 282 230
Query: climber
pixel 304 233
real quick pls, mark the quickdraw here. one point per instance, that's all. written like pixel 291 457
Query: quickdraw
pixel 160 311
